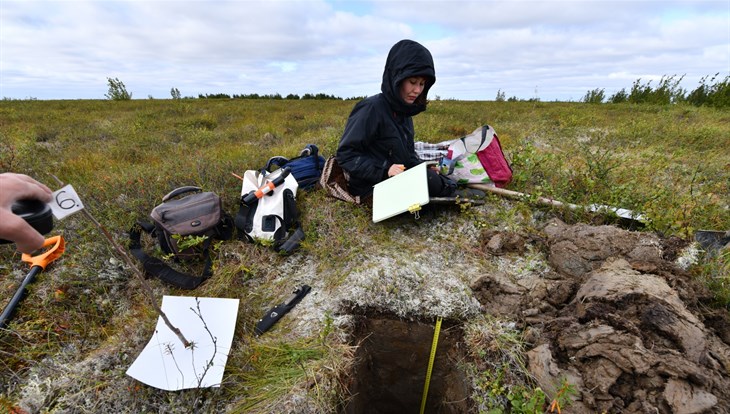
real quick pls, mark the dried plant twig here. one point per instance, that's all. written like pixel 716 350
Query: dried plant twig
pixel 146 287
pixel 208 364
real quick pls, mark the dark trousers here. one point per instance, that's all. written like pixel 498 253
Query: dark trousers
pixel 439 185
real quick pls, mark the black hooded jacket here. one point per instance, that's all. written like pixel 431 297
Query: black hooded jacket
pixel 379 131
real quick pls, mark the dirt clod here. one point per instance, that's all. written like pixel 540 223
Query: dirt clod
pixel 623 324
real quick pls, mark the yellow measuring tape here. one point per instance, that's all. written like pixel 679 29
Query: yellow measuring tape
pixel 430 363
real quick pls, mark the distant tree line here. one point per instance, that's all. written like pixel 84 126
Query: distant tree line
pixel 118 92
pixel 712 92
pixel 276 96
pixel 502 97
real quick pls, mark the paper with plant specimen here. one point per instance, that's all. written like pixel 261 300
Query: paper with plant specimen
pixel 208 323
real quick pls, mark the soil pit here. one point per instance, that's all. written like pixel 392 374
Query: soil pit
pixel 391 365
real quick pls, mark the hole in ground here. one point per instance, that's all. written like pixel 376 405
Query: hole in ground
pixel 391 365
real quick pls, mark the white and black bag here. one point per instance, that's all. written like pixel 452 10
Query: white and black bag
pixel 268 209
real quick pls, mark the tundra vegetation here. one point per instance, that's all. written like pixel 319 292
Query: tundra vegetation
pixel 86 318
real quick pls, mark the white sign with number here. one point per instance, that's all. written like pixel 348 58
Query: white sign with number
pixel 65 202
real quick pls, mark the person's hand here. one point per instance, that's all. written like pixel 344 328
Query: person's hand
pixel 396 169
pixel 14 187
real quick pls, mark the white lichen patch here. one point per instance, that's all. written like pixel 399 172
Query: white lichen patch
pixel 689 256
pixel 529 265
pixel 424 285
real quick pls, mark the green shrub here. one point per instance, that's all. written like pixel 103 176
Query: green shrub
pixel 619 97
pixel 716 93
pixel 117 90
pixel 666 92
pixel 594 96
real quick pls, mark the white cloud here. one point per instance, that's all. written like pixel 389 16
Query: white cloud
pixel 67 49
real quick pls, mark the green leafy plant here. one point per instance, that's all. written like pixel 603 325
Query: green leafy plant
pixel 117 90
pixel 524 400
pixel 595 96
pixel 715 93
pixel 186 242
pixel 714 271
pixel 620 96
pixel 666 92
pixel 501 97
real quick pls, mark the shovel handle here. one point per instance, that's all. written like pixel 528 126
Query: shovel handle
pixel 55 246
pixel 38 264
pixel 18 296
pixel 629 215
pixel 518 196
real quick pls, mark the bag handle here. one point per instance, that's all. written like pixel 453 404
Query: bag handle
pixel 293 242
pixel 314 151
pixel 178 191
pixel 485 128
pixel 278 161
pixel 309 150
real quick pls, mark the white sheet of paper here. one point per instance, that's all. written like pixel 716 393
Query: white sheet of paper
pixel 65 202
pixel 166 364
pixel 399 193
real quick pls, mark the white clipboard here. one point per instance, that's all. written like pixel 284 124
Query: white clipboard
pixel 407 191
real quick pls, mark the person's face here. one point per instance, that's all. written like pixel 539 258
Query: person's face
pixel 411 88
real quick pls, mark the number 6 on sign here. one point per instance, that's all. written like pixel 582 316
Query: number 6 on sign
pixel 65 202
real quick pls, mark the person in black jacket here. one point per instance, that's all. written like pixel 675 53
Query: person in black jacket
pixel 378 141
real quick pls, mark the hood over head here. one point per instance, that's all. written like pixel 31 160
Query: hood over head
pixel 406 59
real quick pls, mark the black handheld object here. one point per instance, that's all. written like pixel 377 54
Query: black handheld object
pixel 280 310
pixel 37 213
pixel 279 179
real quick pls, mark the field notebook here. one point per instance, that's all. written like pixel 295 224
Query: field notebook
pixel 398 194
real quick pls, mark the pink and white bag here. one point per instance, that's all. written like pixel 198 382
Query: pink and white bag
pixel 477 158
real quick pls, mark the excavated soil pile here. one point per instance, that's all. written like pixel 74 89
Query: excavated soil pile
pixel 616 318
pixel 393 357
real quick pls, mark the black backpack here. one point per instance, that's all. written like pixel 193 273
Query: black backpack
pixel 200 215
pixel 306 168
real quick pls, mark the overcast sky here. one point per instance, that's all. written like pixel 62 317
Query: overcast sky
pixel 551 50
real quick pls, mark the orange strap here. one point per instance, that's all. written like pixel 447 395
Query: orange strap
pixel 265 189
